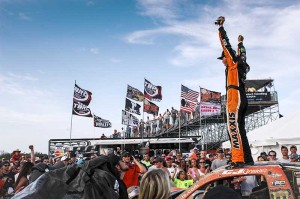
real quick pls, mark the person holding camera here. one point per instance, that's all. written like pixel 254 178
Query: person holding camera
pixel 236 105
pixel 131 176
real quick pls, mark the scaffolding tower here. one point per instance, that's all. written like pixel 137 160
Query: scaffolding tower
pixel 210 132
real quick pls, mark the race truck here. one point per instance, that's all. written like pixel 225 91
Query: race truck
pixel 274 181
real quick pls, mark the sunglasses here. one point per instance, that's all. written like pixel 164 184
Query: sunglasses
pixel 6 165
pixel 272 155
pixel 201 162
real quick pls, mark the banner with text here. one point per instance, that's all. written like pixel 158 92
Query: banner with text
pixel 81 109
pixel 258 96
pixel 82 95
pixel 209 109
pixel 129 119
pixel 102 123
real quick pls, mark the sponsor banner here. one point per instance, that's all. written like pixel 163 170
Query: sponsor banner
pixel 152 92
pixel 135 94
pixel 129 119
pixel 82 95
pixel 210 109
pixel 209 96
pixel 132 107
pixel 150 107
pixel 258 96
pixel 81 109
pixel 102 123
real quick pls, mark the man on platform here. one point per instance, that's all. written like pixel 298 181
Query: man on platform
pixel 236 105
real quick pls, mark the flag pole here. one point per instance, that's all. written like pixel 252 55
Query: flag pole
pixel 179 122
pixel 72 117
pixel 143 114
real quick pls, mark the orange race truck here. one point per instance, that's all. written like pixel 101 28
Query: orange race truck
pixel 275 181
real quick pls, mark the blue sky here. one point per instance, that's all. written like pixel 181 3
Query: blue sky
pixel 104 45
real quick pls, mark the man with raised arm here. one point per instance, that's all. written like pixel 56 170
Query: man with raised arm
pixel 236 105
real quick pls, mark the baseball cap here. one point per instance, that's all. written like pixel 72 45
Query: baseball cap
pixel 222 55
pixel 220 151
pixel 125 153
pixel 263 154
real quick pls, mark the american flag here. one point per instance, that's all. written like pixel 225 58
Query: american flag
pixel 188 99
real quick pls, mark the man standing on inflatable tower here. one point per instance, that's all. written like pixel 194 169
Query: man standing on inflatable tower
pixel 236 105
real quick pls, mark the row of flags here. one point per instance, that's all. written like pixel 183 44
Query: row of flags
pixel 208 105
pixel 206 102
pixel 134 96
pixel 81 101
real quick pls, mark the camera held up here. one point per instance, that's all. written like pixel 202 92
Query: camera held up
pixel 219 20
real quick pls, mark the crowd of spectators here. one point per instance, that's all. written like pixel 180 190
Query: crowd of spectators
pixel 136 171
pixel 156 125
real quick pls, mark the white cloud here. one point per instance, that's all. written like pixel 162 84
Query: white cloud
pixel 266 27
pixel 94 50
pixel 24 16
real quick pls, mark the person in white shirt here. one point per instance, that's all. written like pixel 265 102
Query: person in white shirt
pixel 285 155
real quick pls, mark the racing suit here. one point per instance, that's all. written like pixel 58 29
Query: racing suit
pixel 236 104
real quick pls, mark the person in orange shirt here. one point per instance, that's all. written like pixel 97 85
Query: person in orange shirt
pixel 131 176
pixel 236 105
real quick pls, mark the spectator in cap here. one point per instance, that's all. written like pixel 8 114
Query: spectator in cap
pixel 16 156
pixel 264 155
pixel 294 157
pixel 220 161
pixel 131 175
pixel 160 163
